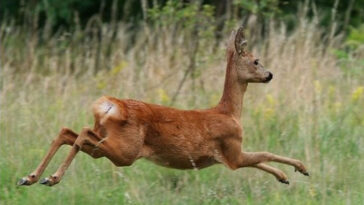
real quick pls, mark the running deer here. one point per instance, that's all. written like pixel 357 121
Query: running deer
pixel 127 130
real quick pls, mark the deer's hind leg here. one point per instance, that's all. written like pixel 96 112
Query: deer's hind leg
pixel 110 146
pixel 65 137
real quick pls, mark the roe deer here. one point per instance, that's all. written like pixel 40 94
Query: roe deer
pixel 127 130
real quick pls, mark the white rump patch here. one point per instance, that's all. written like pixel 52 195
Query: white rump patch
pixel 104 108
pixel 107 108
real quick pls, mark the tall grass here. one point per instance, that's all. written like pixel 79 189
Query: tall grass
pixel 312 110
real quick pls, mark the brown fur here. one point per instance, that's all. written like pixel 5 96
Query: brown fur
pixel 127 130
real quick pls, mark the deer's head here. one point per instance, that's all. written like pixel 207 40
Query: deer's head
pixel 248 68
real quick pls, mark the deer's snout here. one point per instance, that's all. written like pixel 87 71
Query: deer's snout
pixel 270 76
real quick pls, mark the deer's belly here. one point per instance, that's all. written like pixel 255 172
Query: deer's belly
pixel 182 161
pixel 180 149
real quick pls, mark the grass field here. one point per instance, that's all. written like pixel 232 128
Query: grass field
pixel 312 110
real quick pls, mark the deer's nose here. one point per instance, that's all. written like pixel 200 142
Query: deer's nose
pixel 270 76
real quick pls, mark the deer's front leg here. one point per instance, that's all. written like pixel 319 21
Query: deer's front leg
pixel 235 158
pixel 252 158
pixel 65 136
pixel 281 176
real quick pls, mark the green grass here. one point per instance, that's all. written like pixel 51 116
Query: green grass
pixel 312 111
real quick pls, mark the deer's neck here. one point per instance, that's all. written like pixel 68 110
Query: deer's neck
pixel 231 102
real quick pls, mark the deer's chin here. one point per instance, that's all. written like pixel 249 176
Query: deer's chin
pixel 266 80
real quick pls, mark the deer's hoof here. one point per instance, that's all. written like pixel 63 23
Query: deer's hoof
pixel 46 182
pixel 305 173
pixel 49 181
pixel 24 181
pixel 302 172
pixel 283 181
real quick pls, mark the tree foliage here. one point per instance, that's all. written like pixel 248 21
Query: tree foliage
pixel 67 14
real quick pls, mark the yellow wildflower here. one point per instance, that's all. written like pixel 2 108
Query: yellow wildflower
pixel 214 99
pixel 271 100
pixel 119 67
pixel 357 93
pixel 318 87
pixel 163 96
pixel 101 84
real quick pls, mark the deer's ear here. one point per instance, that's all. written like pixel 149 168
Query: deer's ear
pixel 240 41
pixel 231 43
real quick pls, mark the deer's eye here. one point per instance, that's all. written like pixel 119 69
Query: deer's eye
pixel 256 62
